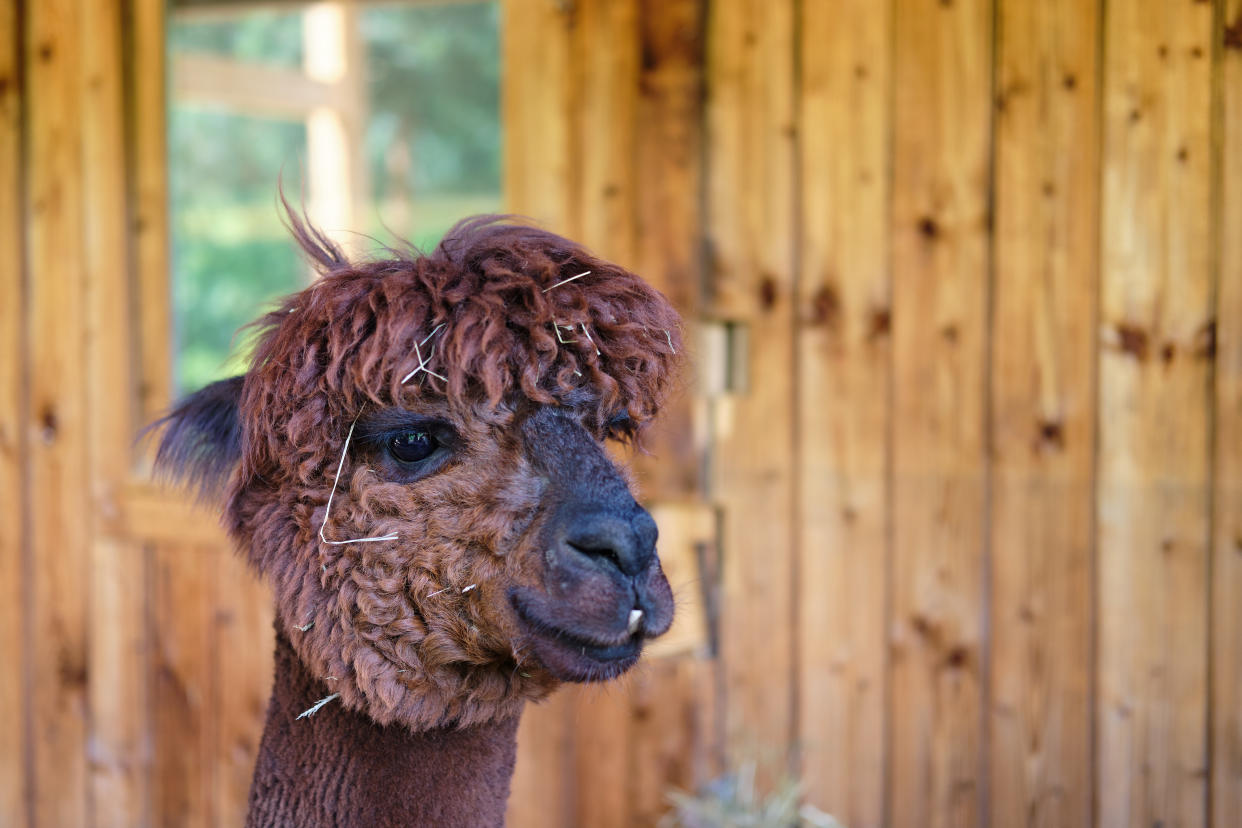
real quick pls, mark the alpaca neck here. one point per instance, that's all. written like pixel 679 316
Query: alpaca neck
pixel 338 767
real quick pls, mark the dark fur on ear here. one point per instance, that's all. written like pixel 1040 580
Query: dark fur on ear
pixel 200 439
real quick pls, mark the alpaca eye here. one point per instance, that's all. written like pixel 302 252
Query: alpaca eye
pixel 411 446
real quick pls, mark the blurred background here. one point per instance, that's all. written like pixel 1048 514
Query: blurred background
pixel 952 499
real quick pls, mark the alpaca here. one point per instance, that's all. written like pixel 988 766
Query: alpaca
pixel 415 461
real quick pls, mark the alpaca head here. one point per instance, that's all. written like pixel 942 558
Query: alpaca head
pixel 452 411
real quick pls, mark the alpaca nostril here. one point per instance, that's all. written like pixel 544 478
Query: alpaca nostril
pixel 592 548
pixel 606 539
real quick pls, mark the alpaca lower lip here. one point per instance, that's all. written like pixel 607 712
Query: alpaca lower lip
pixel 577 658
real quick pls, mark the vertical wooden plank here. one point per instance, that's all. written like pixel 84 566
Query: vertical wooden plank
pixel 182 684
pixel 13 437
pixel 535 102
pixel 119 737
pixel 941 128
pixel 243 646
pixel 147 108
pixel 602 751
pixel 542 790
pixel 844 363
pixel 57 417
pixel 673 729
pixel 605 56
pixel 750 231
pixel 539 182
pixel 1043 412
pixel 669 219
pixel 1154 421
pixel 1226 655
pixel 604 60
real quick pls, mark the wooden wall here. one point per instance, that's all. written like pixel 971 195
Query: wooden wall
pixel 972 271
pixel 954 499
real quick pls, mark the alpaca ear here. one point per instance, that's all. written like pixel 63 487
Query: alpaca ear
pixel 200 439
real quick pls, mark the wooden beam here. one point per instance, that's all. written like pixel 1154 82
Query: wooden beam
pixel 750 235
pixel 117 606
pixel 57 417
pixel 538 170
pixel 1043 412
pixel 941 157
pixel 667 192
pixel 148 129
pixel 844 375
pixel 1226 565
pixel 256 89
pixel 336 162
pixel 1154 421
pixel 535 48
pixel 13 428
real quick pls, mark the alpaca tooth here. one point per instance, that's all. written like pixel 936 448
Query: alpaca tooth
pixel 636 618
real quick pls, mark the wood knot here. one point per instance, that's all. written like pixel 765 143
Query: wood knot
pixel 49 424
pixel 1052 433
pixel 767 292
pixel 1069 82
pixel 928 228
pixel 880 323
pixel 1232 37
pixel 957 658
pixel 1133 340
pixel 826 306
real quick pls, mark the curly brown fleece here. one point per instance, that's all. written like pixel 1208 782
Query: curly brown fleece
pixel 417 630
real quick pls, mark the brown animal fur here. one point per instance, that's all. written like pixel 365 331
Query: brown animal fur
pixel 390 620
pixel 342 769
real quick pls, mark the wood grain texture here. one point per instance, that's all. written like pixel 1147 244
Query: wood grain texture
pixel 604 60
pixel 542 792
pixel 183 684
pixel 750 235
pixel 844 378
pixel 242 643
pixel 147 109
pixel 536 48
pixel 1152 502
pixel 540 183
pixel 57 415
pixel 1226 565
pixel 673 719
pixel 13 360
pixel 1043 413
pixel 118 667
pixel 603 751
pixel 941 152
pixel 669 220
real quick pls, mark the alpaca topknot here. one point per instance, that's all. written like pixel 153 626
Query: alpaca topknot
pixel 500 313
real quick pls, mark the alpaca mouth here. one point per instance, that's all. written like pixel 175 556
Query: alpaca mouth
pixel 573 656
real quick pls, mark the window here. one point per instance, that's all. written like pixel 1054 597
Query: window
pixel 383 118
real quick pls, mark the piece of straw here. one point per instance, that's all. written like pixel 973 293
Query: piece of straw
pixel 588 336
pixel 567 281
pixel 328 511
pixel 467 589
pixel 422 363
pixel 306 627
pixel 314 708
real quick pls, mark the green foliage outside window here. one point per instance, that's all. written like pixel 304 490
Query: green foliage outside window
pixel 432 147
